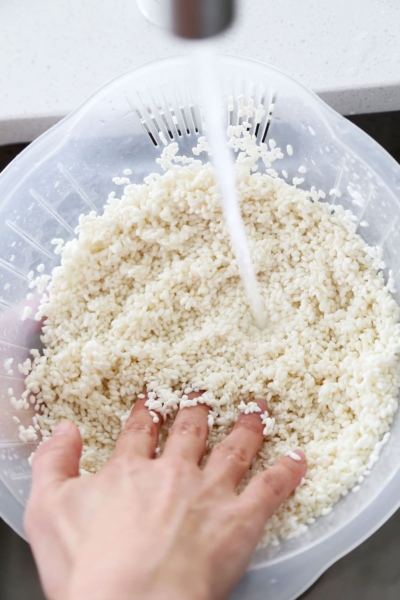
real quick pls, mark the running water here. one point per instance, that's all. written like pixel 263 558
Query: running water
pixel 224 164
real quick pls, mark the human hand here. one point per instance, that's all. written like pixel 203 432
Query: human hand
pixel 146 528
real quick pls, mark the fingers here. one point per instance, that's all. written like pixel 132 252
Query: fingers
pixel 58 459
pixel 230 459
pixel 267 490
pixel 139 437
pixel 188 435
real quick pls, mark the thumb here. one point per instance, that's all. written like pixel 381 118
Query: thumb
pixel 57 459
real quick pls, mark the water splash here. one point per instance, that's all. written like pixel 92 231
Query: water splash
pixel 224 164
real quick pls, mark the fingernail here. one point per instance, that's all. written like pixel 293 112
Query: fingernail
pixel 262 404
pixel 296 455
pixel 62 428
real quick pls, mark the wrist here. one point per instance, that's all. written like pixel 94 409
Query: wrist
pixel 139 591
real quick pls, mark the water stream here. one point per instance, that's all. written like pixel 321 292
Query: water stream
pixel 224 164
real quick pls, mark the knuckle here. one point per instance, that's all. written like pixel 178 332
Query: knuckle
pixel 131 471
pixel 251 424
pixel 117 465
pixel 121 465
pixel 186 427
pixel 139 427
pixel 226 519
pixel 234 453
pixel 276 483
pixel 178 466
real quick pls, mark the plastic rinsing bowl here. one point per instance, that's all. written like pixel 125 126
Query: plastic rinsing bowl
pixel 68 171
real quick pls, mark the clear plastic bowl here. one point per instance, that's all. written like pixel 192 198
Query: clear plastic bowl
pixel 68 171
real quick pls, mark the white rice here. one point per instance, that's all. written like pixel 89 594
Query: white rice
pixel 249 407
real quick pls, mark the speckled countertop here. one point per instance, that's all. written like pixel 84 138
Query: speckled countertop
pixel 54 54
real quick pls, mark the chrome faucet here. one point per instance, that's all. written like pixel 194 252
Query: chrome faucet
pixel 191 19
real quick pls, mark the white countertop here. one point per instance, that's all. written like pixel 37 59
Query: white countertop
pixel 55 53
